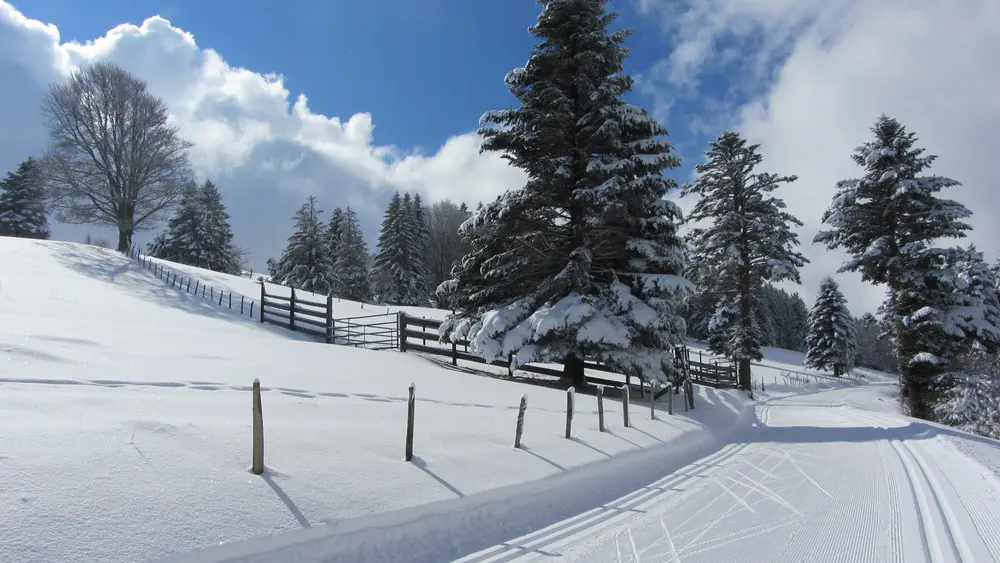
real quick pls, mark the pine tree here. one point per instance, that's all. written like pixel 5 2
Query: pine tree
pixel 886 221
pixel 584 260
pixel 333 231
pixel 220 254
pixel 419 290
pixel 199 233
pixel 391 268
pixel 831 341
pixel 306 263
pixel 22 203
pixel 351 267
pixel 749 239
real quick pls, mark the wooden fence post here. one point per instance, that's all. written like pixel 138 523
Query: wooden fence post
pixel 189 286
pixel 625 394
pixel 221 293
pixel 230 299
pixel 329 318
pixel 291 311
pixel 652 398
pixel 410 405
pixel 454 353
pixel 242 298
pixel 600 408
pixel 684 388
pixel 670 398
pixel 569 412
pixel 203 288
pixel 251 309
pixel 211 293
pixel 690 393
pixel 258 431
pixel 520 420
pixel 262 294
pixel 402 331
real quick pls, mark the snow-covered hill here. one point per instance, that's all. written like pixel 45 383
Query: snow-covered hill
pixel 125 436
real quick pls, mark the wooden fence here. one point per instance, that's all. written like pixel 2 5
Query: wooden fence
pixel 459 350
pixel 375 332
pixel 706 371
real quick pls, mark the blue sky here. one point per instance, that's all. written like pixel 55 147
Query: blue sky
pixel 394 90
pixel 427 70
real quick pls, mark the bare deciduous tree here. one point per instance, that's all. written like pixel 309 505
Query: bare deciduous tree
pixel 447 246
pixel 115 158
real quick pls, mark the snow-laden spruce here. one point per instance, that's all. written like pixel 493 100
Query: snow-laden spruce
pixel 886 221
pixel 747 238
pixel 584 261
pixel 199 233
pixel 22 203
pixel 351 264
pixel 306 263
pixel 831 343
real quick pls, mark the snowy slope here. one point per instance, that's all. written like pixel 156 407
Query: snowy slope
pixel 125 420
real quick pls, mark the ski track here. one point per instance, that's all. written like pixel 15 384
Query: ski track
pixel 817 479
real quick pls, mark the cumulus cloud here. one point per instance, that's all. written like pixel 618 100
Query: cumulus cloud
pixel 819 73
pixel 260 143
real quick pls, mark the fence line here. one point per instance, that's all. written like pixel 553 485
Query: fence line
pixel 234 301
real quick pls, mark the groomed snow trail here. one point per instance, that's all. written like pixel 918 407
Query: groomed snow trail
pixel 819 478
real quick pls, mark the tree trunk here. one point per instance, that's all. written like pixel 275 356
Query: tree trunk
pixel 124 240
pixel 744 374
pixel 573 372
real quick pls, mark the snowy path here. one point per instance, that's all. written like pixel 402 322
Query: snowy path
pixel 818 479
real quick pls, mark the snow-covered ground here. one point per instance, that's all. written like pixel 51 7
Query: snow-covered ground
pixel 125 436
pixel 125 419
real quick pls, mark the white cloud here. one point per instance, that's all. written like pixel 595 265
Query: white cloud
pixel 830 68
pixel 264 148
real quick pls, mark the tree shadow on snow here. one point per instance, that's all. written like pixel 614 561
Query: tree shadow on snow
pixel 132 279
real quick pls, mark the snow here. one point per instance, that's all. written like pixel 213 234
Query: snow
pixel 125 436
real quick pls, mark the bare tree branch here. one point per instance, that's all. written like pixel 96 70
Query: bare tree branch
pixel 115 159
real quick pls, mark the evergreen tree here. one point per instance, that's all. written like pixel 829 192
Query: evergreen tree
pixel 306 263
pixel 220 254
pixel 199 234
pixel 351 267
pixel 749 240
pixel 447 245
pixel 333 231
pixel 392 267
pixel 886 221
pixel 22 203
pixel 831 341
pixel 419 290
pixel 584 260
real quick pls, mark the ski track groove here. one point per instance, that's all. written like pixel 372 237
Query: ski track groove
pixel 616 510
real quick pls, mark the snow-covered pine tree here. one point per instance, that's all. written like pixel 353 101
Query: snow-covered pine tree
pixel 419 291
pixel 183 241
pixel 584 260
pixel 220 254
pixel 748 236
pixel 305 264
pixel 351 268
pixel 831 342
pixel 333 231
pixel 22 203
pixel 392 265
pixel 886 221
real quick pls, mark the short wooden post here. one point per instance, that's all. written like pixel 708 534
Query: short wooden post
pixel 410 405
pixel 652 398
pixel 262 294
pixel 173 283
pixel 242 299
pixel 684 387
pixel 203 288
pixel 251 310
pixel 625 394
pixel 569 412
pixel 600 408
pixel 454 353
pixel 189 286
pixel 520 420
pixel 291 311
pixel 211 293
pixel 329 318
pixel 690 393
pixel 258 431
pixel 230 299
pixel 221 293
pixel 670 399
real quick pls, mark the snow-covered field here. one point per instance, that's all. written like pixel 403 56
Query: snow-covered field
pixel 125 436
